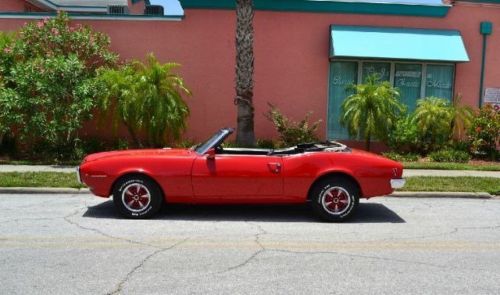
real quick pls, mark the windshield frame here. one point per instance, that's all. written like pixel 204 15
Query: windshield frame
pixel 213 141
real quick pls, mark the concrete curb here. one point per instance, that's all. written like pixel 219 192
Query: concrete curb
pixel 58 190
pixel 455 195
pixel 43 190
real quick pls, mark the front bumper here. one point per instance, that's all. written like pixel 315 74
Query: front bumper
pixel 398 183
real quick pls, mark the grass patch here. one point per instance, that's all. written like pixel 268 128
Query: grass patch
pixel 39 179
pixel 452 184
pixel 485 166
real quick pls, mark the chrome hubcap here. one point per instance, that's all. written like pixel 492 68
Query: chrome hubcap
pixel 136 197
pixel 336 200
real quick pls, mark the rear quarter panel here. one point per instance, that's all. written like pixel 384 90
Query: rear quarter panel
pixel 372 172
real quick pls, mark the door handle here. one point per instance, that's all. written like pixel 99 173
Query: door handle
pixel 274 167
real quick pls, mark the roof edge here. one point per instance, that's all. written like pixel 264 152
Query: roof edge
pixel 328 7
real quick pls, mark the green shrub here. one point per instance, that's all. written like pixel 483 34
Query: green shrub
pixel 404 138
pixel 484 134
pixel 265 144
pixel 146 98
pixel 401 157
pixel 291 132
pixel 121 144
pixel 8 145
pixel 48 85
pixel 449 155
pixel 186 143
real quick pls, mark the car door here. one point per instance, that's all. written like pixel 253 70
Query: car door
pixel 238 178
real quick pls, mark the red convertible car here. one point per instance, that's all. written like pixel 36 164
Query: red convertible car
pixel 328 175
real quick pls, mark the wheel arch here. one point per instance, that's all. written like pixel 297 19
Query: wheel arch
pixel 141 173
pixel 334 174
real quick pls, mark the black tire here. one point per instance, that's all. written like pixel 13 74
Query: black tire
pixel 137 196
pixel 335 199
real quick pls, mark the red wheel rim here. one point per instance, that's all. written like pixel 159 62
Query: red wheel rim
pixel 336 200
pixel 136 197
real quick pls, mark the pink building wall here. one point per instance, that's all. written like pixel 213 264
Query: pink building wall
pixel 291 57
pixel 12 5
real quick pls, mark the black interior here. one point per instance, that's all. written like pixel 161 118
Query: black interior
pixel 263 152
pixel 300 148
pixel 243 151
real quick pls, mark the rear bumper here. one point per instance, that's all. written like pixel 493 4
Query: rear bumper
pixel 398 183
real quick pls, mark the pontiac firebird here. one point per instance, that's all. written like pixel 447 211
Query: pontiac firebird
pixel 328 175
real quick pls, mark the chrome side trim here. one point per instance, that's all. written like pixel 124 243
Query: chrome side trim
pixel 398 183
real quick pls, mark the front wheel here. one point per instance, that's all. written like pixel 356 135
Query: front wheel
pixel 335 199
pixel 136 196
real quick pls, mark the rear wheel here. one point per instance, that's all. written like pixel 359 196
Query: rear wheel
pixel 335 199
pixel 137 196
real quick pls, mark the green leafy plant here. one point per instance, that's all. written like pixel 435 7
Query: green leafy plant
pixel 449 155
pixel 48 82
pixel 434 117
pixel 6 59
pixel 147 99
pixel 404 137
pixel 265 143
pixel 372 110
pixel 461 118
pixel 291 132
pixel 484 133
pixel 410 157
pixel 186 143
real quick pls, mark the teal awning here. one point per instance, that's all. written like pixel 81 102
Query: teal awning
pixel 397 44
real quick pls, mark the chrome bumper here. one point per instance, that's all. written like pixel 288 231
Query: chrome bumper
pixel 398 183
pixel 78 177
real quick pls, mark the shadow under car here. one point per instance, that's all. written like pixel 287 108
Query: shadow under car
pixel 367 213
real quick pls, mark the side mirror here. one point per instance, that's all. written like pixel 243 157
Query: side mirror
pixel 210 154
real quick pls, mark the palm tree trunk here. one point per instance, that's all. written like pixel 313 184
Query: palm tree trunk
pixel 244 73
pixel 131 132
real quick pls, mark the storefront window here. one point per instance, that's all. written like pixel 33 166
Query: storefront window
pixel 414 81
pixel 342 74
pixel 408 79
pixel 382 69
pixel 439 81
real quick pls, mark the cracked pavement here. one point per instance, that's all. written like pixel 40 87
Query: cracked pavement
pixel 77 244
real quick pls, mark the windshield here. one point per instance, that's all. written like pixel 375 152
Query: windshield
pixel 216 139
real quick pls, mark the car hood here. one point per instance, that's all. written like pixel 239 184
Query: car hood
pixel 138 153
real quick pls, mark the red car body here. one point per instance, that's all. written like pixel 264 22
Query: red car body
pixel 186 176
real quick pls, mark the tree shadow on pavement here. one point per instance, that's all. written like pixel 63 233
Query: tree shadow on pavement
pixel 367 213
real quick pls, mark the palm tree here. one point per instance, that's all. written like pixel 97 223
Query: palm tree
pixel 244 73
pixel 147 99
pixel 372 110
pixel 434 117
pixel 462 118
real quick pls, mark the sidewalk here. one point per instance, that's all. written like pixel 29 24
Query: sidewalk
pixel 452 173
pixel 37 168
pixel 407 172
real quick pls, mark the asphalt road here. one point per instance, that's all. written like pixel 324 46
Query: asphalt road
pixel 76 244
